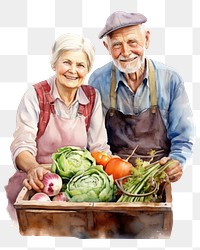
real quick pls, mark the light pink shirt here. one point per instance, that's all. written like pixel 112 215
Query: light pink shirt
pixel 28 115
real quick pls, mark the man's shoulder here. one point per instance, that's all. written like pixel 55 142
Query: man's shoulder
pixel 167 76
pixel 163 66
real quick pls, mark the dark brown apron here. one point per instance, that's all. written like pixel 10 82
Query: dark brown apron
pixel 146 130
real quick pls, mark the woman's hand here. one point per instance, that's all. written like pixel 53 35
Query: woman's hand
pixel 174 171
pixel 35 176
pixel 35 171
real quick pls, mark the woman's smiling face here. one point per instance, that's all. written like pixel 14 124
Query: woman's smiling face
pixel 71 69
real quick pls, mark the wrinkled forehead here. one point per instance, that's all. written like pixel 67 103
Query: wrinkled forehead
pixel 127 33
pixel 135 30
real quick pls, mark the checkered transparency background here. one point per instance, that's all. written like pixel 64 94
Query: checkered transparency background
pixel 28 29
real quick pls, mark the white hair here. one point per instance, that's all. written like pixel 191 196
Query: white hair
pixel 68 42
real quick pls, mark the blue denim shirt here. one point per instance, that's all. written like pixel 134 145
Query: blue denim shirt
pixel 173 103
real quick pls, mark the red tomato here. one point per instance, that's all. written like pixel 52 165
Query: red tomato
pixel 118 168
pixel 101 158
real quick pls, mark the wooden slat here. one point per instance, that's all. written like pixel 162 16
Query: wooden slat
pixel 22 202
pixel 95 219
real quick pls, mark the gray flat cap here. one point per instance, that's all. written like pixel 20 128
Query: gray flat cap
pixel 120 19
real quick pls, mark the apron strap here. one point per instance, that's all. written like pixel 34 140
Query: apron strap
pixel 152 86
pixel 45 104
pixel 113 94
pixel 44 96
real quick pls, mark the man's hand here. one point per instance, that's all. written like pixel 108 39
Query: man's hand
pixel 174 171
pixel 34 178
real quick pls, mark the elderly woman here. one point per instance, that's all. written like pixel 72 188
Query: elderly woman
pixel 57 112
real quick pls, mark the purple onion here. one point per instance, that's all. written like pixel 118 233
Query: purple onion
pixel 60 197
pixel 52 184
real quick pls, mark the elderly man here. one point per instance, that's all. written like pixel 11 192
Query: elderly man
pixel 144 102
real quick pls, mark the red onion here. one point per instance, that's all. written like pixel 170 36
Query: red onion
pixel 52 184
pixel 60 197
pixel 40 197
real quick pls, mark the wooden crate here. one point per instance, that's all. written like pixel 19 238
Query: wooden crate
pixel 136 220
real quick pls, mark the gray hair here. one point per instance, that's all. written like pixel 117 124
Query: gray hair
pixel 68 42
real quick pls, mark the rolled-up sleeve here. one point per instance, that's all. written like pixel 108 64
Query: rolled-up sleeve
pixel 26 125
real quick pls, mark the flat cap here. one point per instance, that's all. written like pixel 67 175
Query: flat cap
pixel 120 19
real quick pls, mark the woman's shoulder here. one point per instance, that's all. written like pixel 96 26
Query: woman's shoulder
pixel 29 93
pixel 89 91
pixel 30 96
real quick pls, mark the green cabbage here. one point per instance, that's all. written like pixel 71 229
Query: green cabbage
pixel 91 185
pixel 69 160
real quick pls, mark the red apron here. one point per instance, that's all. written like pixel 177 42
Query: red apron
pixel 146 130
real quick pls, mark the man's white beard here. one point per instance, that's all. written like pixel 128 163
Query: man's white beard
pixel 128 69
